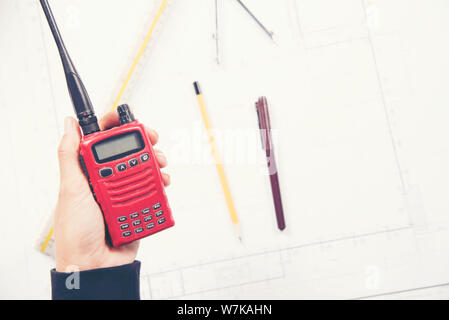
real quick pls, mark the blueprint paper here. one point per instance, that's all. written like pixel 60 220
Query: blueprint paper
pixel 358 105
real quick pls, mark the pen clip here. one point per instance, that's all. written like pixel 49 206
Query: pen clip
pixel 260 125
pixel 264 123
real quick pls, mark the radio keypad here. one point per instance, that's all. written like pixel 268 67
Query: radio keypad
pixel 105 172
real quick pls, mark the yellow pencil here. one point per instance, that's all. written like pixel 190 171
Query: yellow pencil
pixel 218 162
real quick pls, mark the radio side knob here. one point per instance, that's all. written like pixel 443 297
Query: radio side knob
pixel 125 114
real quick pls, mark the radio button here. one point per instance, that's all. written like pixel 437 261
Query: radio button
pixel 145 157
pixel 136 222
pixel 121 166
pixel 146 211
pixel 126 233
pixel 133 162
pixel 134 215
pixel 156 206
pixel 105 172
pixel 147 218
pixel 161 220
pixel 138 230
pixel 121 219
pixel 150 225
pixel 124 226
pixel 159 213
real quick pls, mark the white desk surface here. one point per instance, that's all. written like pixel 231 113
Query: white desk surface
pixel 358 92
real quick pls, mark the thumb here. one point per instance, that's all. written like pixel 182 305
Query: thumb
pixel 68 153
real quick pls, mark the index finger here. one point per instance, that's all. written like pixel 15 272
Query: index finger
pixel 109 120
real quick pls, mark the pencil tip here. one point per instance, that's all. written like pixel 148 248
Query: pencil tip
pixel 237 232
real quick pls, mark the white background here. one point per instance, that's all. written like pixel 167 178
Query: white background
pixel 358 94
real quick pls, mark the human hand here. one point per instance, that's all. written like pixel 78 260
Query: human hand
pixel 79 226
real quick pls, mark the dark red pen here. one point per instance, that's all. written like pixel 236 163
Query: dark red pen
pixel 267 144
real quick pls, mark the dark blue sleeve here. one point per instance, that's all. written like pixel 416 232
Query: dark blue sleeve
pixel 116 283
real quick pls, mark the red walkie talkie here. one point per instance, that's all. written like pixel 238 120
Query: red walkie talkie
pixel 119 163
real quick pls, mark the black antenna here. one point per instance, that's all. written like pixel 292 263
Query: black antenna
pixel 80 99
